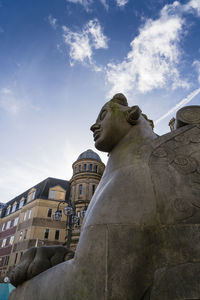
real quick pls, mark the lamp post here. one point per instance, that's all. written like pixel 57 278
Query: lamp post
pixel 72 218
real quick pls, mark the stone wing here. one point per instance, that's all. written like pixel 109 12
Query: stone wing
pixel 175 171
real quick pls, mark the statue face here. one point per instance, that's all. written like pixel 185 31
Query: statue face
pixel 110 127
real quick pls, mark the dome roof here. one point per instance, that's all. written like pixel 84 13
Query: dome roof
pixel 89 154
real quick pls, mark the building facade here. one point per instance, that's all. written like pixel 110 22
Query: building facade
pixel 27 220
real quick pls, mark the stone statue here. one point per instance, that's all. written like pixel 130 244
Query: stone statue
pixel 141 234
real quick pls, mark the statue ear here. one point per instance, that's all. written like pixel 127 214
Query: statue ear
pixel 133 114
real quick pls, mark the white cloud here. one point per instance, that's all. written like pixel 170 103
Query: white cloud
pixel 193 5
pixel 196 64
pixel 180 104
pixel 153 57
pixel 52 21
pixel 85 3
pixel 82 44
pixel 121 2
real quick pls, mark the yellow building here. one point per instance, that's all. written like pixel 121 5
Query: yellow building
pixel 27 220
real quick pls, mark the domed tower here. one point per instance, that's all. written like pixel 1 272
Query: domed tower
pixel 87 172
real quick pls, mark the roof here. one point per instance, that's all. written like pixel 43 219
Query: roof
pixel 42 191
pixel 89 154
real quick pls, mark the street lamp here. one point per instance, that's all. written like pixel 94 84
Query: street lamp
pixel 72 219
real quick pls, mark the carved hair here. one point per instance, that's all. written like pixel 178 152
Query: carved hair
pixel 119 99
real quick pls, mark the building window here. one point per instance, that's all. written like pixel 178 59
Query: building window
pixel 80 189
pixel 3 243
pixel 14 208
pixel 25 215
pixel 90 167
pixel 15 222
pixel 3 226
pixel 52 194
pixel 85 167
pixel 20 235
pixel 11 240
pixel 21 203
pixel 29 198
pixel 21 253
pixel 49 213
pixel 96 168
pixel 29 214
pixel 46 233
pixel 6 260
pixel 25 234
pixel 8 225
pixel 57 233
pixel 33 196
pixel 79 167
pixel 93 188
pixel 8 210
pixel 16 255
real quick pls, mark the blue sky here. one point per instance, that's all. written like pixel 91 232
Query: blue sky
pixel 61 60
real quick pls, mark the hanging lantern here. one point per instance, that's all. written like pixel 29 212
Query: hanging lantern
pixel 75 219
pixel 68 210
pixel 57 215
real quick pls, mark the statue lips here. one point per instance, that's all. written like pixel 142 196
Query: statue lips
pixel 96 134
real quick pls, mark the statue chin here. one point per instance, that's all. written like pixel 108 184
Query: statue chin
pixel 141 235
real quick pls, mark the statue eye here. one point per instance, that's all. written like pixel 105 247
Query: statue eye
pixel 102 115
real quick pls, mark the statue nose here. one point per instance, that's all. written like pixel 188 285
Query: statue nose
pixel 94 127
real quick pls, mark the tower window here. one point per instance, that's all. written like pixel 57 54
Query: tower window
pixel 90 167
pixel 80 189
pixel 96 168
pixel 20 235
pixel 16 255
pixel 85 167
pixel 6 260
pixel 25 234
pixel 93 188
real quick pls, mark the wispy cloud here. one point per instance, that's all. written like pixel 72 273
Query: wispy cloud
pixel 105 4
pixel 121 2
pixel 85 3
pixel 196 64
pixel 52 21
pixel 82 44
pixel 8 102
pixel 184 101
pixel 13 104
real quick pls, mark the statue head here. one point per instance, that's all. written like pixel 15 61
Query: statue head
pixel 114 121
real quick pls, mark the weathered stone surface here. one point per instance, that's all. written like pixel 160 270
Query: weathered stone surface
pixel 140 239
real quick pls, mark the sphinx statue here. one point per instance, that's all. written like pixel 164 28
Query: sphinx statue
pixel 140 239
